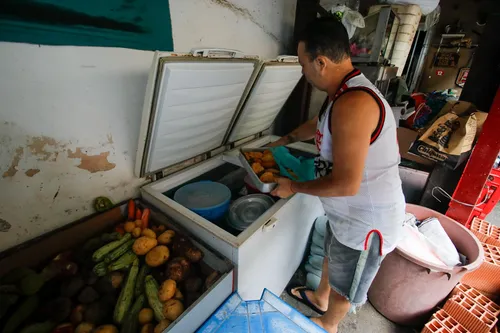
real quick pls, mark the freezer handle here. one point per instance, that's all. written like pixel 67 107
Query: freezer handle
pixel 270 224
pixel 217 53
pixel 287 58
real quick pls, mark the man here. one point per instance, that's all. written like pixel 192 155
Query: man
pixel 357 177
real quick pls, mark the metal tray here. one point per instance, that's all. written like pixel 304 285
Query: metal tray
pixel 263 187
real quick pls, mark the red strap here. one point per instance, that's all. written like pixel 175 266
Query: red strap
pixel 379 235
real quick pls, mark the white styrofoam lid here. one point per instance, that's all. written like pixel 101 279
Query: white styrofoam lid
pixel 192 106
pixel 268 95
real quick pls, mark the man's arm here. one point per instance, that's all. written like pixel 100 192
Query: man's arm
pixel 304 132
pixel 353 120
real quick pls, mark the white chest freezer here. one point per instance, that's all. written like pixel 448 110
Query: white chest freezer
pixel 198 112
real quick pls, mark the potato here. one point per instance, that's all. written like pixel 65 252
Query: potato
pixel 129 226
pixel 172 309
pixel 167 290
pixel 193 254
pixel 162 228
pixel 166 237
pixel 136 233
pixel 157 256
pixel 193 284
pixel 145 316
pixel 211 279
pixel 106 329
pixel 178 269
pixel 178 295
pixel 138 223
pixel 148 328
pixel 84 328
pixel 143 245
pixel 164 323
pixel 148 233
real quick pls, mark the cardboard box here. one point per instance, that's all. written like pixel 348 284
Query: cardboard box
pixel 405 139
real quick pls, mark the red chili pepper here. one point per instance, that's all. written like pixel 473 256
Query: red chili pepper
pixel 145 218
pixel 131 210
pixel 138 214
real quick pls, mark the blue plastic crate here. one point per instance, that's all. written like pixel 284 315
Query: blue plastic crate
pixel 269 314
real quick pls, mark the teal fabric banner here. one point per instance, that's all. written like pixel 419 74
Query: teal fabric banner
pixel 136 24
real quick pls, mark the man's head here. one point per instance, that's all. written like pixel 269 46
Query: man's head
pixel 323 49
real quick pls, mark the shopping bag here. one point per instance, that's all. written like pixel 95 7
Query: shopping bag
pixel 450 136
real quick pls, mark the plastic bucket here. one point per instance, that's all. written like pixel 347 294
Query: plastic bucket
pixel 208 199
pixel 407 289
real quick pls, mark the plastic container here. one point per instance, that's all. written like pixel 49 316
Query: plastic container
pixel 208 199
pixel 267 315
pixel 407 289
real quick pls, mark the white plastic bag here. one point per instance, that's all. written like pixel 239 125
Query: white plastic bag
pixel 439 241
pixel 351 19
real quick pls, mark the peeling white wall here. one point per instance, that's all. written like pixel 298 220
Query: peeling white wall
pixel 69 116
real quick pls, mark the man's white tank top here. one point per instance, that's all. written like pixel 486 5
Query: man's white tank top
pixel 379 205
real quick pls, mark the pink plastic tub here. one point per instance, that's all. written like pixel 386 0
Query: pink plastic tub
pixel 407 289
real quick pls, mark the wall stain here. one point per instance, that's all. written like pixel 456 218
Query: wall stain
pixel 4 225
pixel 32 172
pixel 110 138
pixel 11 172
pixel 245 13
pixel 37 147
pixel 92 163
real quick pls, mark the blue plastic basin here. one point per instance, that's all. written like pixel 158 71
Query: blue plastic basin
pixel 208 199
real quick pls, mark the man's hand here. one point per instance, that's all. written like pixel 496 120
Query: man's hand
pixel 284 188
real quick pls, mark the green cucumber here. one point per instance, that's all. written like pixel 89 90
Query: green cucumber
pixel 123 262
pixel 23 312
pixel 127 294
pixel 151 288
pixel 7 301
pixel 45 327
pixel 100 253
pixel 100 269
pixel 139 284
pixel 117 253
pixel 130 324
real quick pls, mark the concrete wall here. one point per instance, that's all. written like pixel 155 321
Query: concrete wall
pixel 69 116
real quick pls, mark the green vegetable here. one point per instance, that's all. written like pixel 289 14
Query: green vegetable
pixel 22 313
pixel 17 274
pixel 139 285
pixel 7 301
pixel 117 253
pixel 123 262
pixel 100 269
pixel 151 288
pixel 109 237
pixel 127 294
pixel 104 250
pixel 31 284
pixel 102 204
pixel 45 327
pixel 130 325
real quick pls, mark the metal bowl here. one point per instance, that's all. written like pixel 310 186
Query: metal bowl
pixel 247 209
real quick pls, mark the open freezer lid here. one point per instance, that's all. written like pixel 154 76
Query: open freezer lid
pixel 270 90
pixel 189 106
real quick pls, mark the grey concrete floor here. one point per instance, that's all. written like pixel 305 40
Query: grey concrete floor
pixel 365 320
pixel 494 216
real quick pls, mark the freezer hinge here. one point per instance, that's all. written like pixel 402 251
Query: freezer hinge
pixel 188 163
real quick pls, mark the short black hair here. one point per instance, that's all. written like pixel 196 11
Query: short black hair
pixel 326 36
